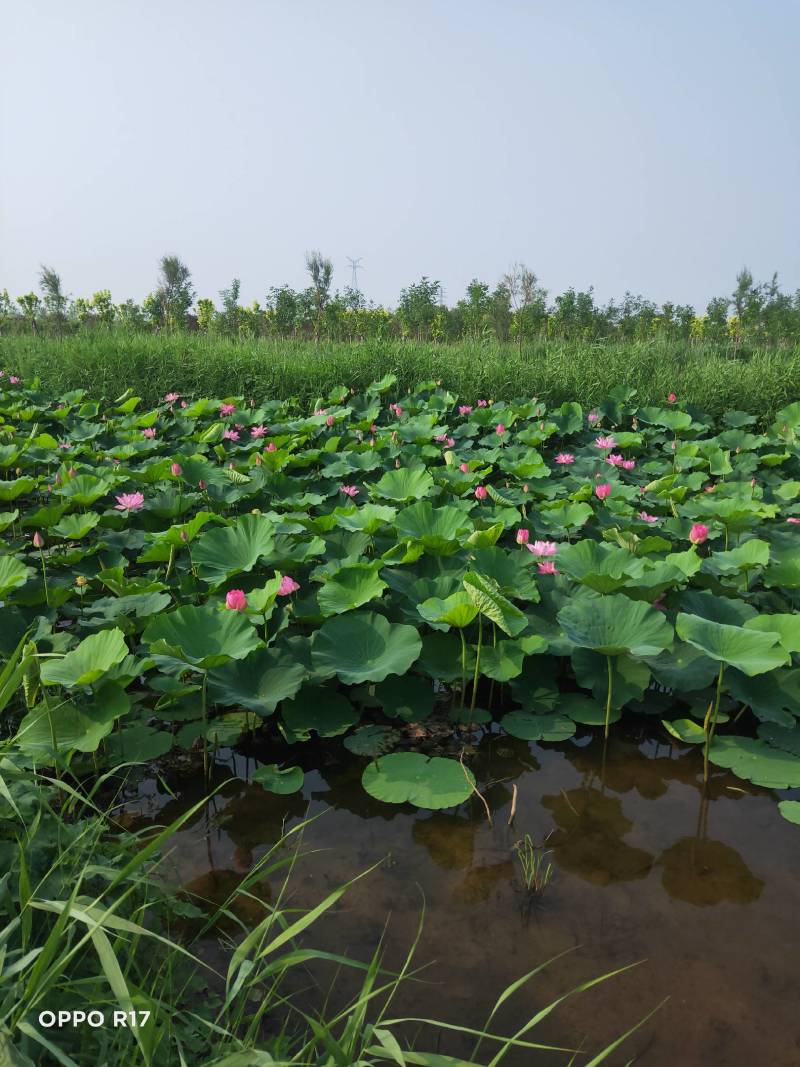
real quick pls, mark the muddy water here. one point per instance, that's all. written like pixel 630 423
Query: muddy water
pixel 705 890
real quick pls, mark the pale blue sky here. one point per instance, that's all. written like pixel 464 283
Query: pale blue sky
pixel 623 144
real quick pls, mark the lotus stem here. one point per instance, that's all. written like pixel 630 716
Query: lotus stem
pixel 477 664
pixel 463 666
pixel 610 690
pixel 205 724
pixel 712 727
pixel 44 579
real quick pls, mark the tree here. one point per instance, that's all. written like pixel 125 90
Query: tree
pixel 418 307
pixel 205 314
pixel 528 300
pixel 6 310
pixel 31 305
pixel 231 314
pixel 55 301
pixel 321 271
pixel 174 294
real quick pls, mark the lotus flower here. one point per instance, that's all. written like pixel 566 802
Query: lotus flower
pixel 628 464
pixel 500 429
pixel 483 403
pixel 272 447
pixel 349 490
pixel 614 459
pixel 793 520
pixel 231 435
pixel 129 502
pixel 64 445
pixel 547 567
pixel 592 418
pixel 288 586
pixel 227 409
pixel 330 420
pixel 172 397
pixel 523 536
pixel 602 491
pixel 464 468
pixel 543 548
pixel 38 540
pixel 605 442
pixel 149 433
pixel 176 470
pixel 480 492
pixel 649 519
pixel 13 379
pixel 564 459
pixel 258 431
pixel 698 533
pixel 235 600
pixel 465 409
pixel 672 398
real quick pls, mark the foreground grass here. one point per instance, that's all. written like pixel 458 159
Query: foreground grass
pixel 714 379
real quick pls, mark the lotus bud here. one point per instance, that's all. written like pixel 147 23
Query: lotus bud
pixel 38 540
pixel 177 470
pixel 235 600
pixel 81 582
pixel 255 511
pixel 201 484
pixel 184 536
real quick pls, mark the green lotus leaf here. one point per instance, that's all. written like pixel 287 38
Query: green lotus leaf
pixel 756 762
pixel 684 668
pixel 629 677
pixel 364 647
pixel 528 727
pixel 221 553
pixel 8 518
pixel 584 710
pixel 686 730
pixel 73 729
pixel 13 573
pixel 485 594
pixel 614 625
pixel 321 709
pixel 351 587
pixel 368 518
pixel 749 651
pixel 744 557
pixel 716 608
pixel 276 780
pixel 504 660
pixel 407 483
pixel 89 661
pixel 13 489
pixel 85 489
pixel 772 697
pixel 438 529
pixel 411 778
pixel 600 566
pixel 409 698
pixel 138 743
pixel 259 682
pixel 201 636
pixel 790 810
pixel 787 627
pixel 785 738
pixel 457 610
pixel 372 740
pixel 514 572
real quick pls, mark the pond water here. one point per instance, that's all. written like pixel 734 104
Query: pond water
pixel 704 889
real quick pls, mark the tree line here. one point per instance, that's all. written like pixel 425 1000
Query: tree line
pixel 516 309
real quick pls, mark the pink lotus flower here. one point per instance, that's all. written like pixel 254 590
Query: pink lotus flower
pixel 235 600
pixel 258 431
pixel 592 418
pixel 349 490
pixel 523 536
pixel 330 420
pixel 480 492
pixel 72 472
pixel 672 398
pixel 227 409
pixel 602 491
pixel 64 445
pixel 793 520
pixel 698 533
pixel 129 502
pixel 547 567
pixel 464 468
pixel 628 464
pixel 272 447
pixel 500 429
pixel 230 435
pixel 172 397
pixel 465 409
pixel 201 485
pixel 288 586
pixel 483 403
pixel 176 469
pixel 184 404
pixel 38 540
pixel 321 411
pixel 13 379
pixel 398 411
pixel 650 519
pixel 450 442
pixel 543 548
pixel 564 459
pixel 709 488
pixel 373 428
pixel 615 459
pixel 149 433
pixel 440 438
pixel 605 442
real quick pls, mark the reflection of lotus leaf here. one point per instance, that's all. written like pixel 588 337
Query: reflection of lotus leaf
pixel 589 842
pixel 706 872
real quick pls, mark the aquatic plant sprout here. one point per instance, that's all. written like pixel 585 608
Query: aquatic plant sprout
pixel 275 576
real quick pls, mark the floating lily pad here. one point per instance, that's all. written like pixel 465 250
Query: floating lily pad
pixel 276 780
pixel 529 727
pixel 372 740
pixel 410 777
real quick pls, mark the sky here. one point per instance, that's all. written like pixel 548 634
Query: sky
pixel 625 145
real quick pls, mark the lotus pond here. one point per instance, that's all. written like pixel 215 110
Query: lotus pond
pixel 400 582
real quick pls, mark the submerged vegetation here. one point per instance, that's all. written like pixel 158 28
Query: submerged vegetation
pixel 188 575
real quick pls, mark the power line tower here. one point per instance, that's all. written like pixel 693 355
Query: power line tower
pixel 355 265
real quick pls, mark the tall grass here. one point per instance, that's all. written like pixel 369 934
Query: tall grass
pixel 715 379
